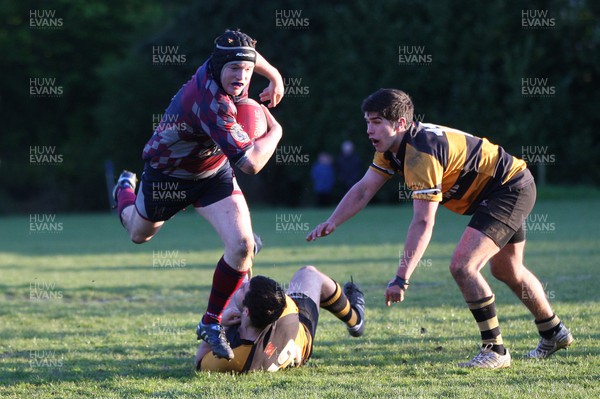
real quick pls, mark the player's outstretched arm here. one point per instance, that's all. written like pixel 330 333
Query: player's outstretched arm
pixel 355 199
pixel 259 154
pixel 274 92
pixel 417 240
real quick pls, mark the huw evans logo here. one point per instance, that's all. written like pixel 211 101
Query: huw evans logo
pixel 167 55
pixel 168 260
pixel 537 19
pixel 44 291
pixel 291 155
pixel 44 223
pixel 168 122
pixel 418 118
pixel 423 262
pixel 45 155
pixel 527 293
pixel 44 19
pixel 537 155
pixel 44 358
pixel 537 87
pixel 163 326
pixel 539 223
pixel 295 88
pixel 168 191
pixel 414 55
pixel 290 19
pixel 44 87
pixel 290 223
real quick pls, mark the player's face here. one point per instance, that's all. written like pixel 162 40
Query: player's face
pixel 382 132
pixel 240 294
pixel 235 76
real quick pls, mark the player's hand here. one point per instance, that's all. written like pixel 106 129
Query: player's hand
pixel 271 121
pixel 394 294
pixel 322 230
pixel 273 93
pixel 231 316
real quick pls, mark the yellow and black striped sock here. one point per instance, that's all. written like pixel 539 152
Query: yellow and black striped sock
pixel 548 327
pixel 484 312
pixel 339 305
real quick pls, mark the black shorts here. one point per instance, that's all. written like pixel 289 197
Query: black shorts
pixel 160 196
pixel 308 314
pixel 501 216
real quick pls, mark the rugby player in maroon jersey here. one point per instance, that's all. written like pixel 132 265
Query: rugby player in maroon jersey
pixel 188 163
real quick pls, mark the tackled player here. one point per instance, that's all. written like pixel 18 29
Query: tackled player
pixel 271 330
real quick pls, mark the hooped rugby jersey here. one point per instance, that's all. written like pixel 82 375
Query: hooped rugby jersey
pixel 198 132
pixel 284 343
pixel 452 167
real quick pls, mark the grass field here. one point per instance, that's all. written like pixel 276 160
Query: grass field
pixel 84 313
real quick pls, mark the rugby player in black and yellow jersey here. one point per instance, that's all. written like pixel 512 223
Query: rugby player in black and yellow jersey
pixel 271 330
pixel 470 176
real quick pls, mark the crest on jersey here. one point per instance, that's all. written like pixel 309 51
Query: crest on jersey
pixel 238 133
pixel 270 349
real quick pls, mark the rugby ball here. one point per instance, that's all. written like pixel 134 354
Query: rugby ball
pixel 251 117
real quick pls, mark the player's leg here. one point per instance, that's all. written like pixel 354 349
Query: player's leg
pixel 230 218
pixel 495 222
pixel 472 253
pixel 140 229
pixel 507 266
pixel 346 304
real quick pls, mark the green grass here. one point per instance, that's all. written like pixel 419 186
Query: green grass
pixel 112 324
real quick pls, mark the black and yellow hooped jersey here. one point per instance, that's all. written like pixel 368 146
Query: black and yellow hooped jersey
pixel 284 343
pixel 452 167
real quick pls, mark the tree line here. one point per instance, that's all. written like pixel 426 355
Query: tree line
pixel 86 82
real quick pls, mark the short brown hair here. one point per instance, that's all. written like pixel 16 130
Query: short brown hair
pixel 391 104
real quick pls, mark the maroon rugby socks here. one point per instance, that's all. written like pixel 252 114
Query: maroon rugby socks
pixel 125 197
pixel 226 281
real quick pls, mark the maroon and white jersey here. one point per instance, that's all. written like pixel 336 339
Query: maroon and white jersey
pixel 198 132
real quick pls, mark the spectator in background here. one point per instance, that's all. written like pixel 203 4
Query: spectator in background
pixel 348 166
pixel 323 177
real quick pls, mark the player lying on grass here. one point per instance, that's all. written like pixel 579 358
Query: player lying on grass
pixel 188 164
pixel 470 176
pixel 271 330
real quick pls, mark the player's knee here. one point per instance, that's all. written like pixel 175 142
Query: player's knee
pixel 244 248
pixel 455 270
pixel 460 271
pixel 307 269
pixel 139 238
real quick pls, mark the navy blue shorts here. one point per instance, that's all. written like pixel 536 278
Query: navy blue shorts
pixel 160 196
